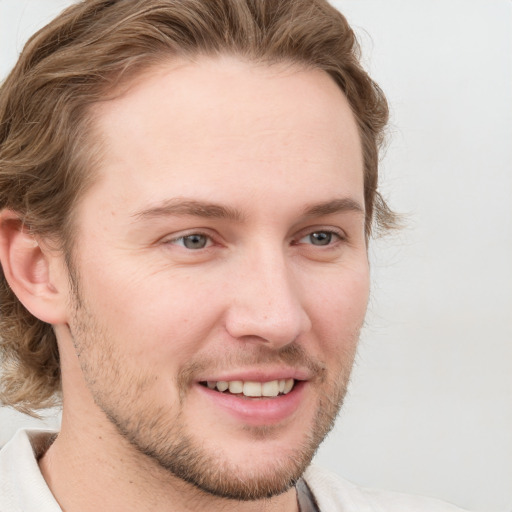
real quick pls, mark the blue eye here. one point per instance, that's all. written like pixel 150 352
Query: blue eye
pixel 320 238
pixel 193 241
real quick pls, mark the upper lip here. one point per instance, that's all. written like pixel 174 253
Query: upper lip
pixel 255 375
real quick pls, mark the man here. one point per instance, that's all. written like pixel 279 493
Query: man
pixel 187 193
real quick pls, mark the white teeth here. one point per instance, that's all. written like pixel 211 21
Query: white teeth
pixel 288 386
pixel 252 388
pixel 236 386
pixel 270 388
pixel 222 385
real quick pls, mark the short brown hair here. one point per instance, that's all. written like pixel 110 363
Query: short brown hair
pixel 86 52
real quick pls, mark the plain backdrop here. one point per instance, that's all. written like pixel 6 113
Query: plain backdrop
pixel 429 410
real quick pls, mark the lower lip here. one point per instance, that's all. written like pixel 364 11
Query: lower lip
pixel 257 411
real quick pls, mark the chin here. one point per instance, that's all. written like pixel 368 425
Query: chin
pixel 258 476
pixel 257 463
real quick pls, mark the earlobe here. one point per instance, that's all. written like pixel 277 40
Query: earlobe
pixel 27 266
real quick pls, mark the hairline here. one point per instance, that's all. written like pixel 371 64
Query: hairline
pixel 95 146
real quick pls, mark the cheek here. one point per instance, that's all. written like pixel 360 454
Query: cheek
pixel 153 315
pixel 338 309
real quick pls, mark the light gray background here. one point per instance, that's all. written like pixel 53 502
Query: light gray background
pixel 430 406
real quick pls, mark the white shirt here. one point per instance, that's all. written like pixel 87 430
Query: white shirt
pixel 23 488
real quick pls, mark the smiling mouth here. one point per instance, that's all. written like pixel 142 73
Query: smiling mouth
pixel 252 389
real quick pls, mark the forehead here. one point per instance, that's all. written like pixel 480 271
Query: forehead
pixel 222 124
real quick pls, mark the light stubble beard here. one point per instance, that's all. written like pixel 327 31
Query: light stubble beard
pixel 154 432
pixel 176 451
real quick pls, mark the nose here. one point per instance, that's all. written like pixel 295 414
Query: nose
pixel 265 301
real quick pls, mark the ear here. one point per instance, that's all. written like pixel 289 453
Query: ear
pixel 33 272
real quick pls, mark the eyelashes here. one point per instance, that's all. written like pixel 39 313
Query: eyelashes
pixel 321 238
pixel 196 241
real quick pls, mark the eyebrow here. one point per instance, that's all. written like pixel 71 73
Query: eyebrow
pixel 345 204
pixel 180 207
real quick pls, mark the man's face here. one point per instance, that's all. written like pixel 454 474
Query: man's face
pixel 223 245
